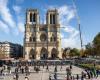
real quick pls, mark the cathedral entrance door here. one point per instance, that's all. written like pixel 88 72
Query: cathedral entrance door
pixel 44 54
pixel 32 54
pixel 54 53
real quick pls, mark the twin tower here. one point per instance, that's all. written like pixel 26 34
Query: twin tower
pixel 42 41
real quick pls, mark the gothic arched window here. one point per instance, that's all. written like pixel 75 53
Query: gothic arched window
pixel 30 17
pixel 54 20
pixel 34 17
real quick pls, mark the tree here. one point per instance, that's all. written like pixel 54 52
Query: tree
pixel 74 52
pixel 96 44
pixel 66 52
pixel 89 50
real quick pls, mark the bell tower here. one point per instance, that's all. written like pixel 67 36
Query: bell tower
pixel 32 16
pixel 54 37
pixel 31 28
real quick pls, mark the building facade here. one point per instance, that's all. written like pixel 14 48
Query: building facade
pixel 10 50
pixel 42 41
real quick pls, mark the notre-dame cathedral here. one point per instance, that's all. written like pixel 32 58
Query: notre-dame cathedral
pixel 42 41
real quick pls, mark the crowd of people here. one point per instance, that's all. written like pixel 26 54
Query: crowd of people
pixel 25 69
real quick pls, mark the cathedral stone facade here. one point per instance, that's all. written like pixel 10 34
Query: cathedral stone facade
pixel 42 41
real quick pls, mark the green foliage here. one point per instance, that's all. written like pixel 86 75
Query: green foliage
pixel 89 66
pixel 96 44
pixel 96 40
pixel 89 49
pixel 74 52
pixel 93 48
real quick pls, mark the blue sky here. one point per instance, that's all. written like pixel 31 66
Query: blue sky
pixel 12 19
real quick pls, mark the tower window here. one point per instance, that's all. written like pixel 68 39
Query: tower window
pixel 50 19
pixel 30 17
pixel 34 17
pixel 53 19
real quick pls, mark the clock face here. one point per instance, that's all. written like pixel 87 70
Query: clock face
pixel 43 37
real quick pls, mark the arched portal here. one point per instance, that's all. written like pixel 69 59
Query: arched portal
pixel 32 54
pixel 54 53
pixel 44 53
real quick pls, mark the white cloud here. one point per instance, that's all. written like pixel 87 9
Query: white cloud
pixel 70 42
pixel 4 27
pixel 20 23
pixel 17 9
pixel 21 27
pixel 7 19
pixel 66 14
pixel 5 13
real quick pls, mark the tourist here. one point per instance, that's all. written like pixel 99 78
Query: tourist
pixel 26 70
pixel 17 76
pixel 73 78
pixel 1 71
pixel 26 78
pixel 14 76
pixel 82 77
pixel 70 66
pixel 88 74
pixel 43 65
pixel 22 70
pixel 91 74
pixel 55 70
pixel 16 70
pixel 47 69
pixel 9 69
pixel 94 72
pixel 77 77
pixel 55 76
pixel 97 72
pixel 49 77
pixel 61 68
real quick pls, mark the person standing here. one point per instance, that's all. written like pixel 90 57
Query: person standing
pixel 17 76
pixel 47 68
pixel 97 73
pixel 77 77
pixel 55 76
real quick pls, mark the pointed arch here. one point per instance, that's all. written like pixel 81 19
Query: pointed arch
pixel 54 53
pixel 44 53
pixel 32 54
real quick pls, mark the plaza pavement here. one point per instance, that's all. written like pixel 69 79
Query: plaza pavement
pixel 44 75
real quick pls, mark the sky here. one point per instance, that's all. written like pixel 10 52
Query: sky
pixel 12 19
